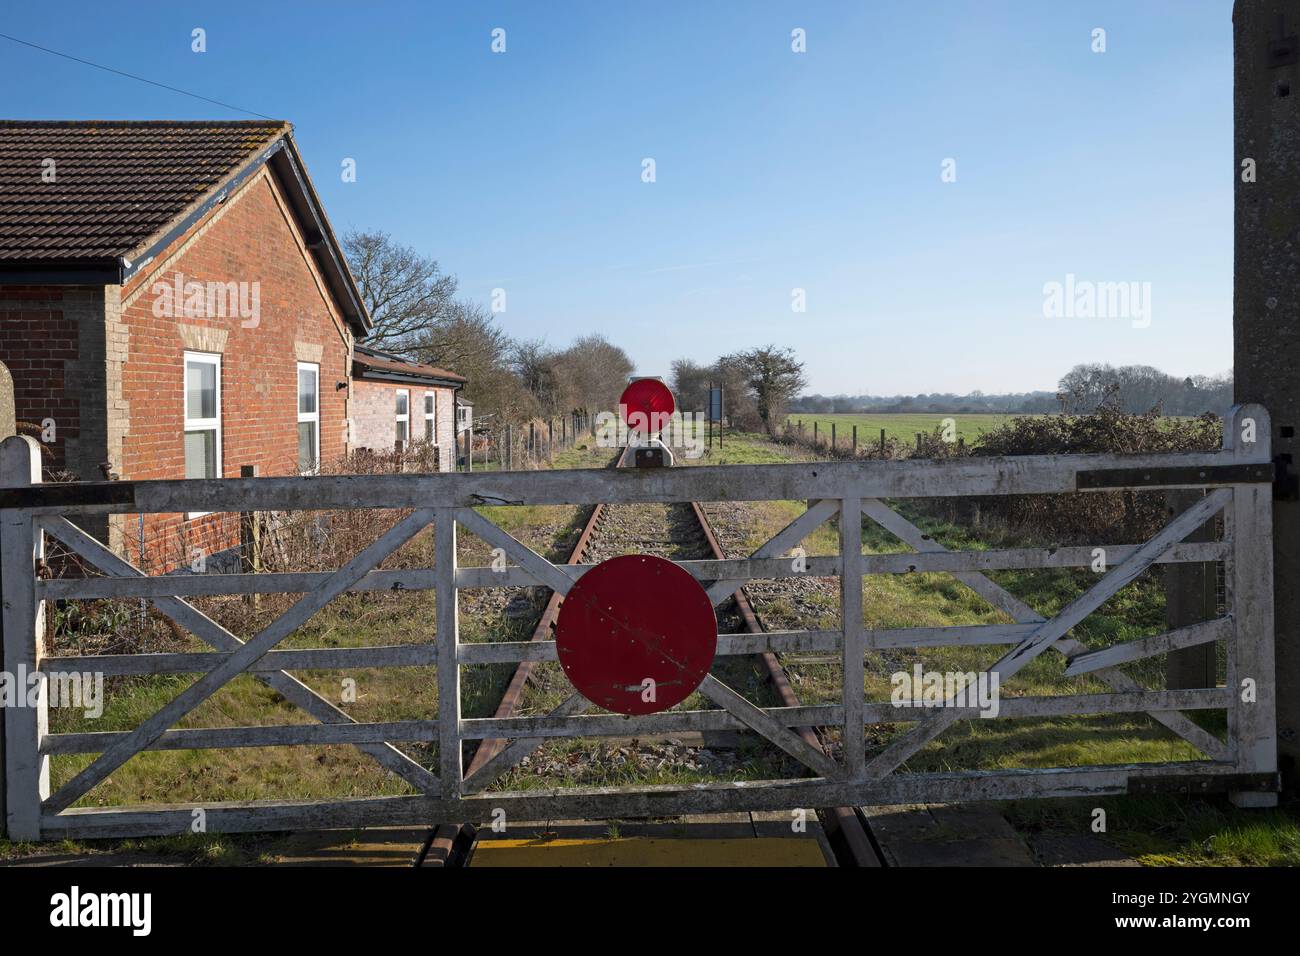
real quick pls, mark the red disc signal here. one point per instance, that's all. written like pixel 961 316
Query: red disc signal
pixel 636 634
pixel 647 405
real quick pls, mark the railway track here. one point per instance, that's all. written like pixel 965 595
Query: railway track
pixel 678 531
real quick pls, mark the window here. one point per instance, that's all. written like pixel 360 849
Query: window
pixel 308 416
pixel 202 438
pixel 202 415
pixel 431 418
pixel 403 416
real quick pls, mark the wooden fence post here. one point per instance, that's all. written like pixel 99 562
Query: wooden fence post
pixel 855 441
pixel 26 771
pixel 550 439
pixel 832 438
pixel 882 442
pixel 250 539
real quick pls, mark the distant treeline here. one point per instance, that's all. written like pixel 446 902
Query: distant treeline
pixel 1137 389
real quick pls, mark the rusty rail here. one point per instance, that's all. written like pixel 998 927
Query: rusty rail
pixel 843 820
pixel 443 837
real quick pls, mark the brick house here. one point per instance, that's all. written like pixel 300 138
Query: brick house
pixel 174 302
pixel 398 401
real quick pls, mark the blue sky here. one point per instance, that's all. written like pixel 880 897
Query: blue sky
pixel 774 170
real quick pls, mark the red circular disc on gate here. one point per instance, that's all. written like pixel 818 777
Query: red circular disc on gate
pixel 650 401
pixel 636 634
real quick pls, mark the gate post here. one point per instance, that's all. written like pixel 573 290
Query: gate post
pixel 26 771
pixel 447 615
pixel 1248 520
pixel 1266 287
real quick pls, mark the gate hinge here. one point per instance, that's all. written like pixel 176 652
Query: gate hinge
pixel 1286 483
pixel 1174 476
pixel 1283 52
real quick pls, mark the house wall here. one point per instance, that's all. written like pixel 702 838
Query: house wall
pixel 251 238
pixel 53 340
pixel 374 417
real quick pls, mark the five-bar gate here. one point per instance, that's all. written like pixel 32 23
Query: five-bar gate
pixel 1236 480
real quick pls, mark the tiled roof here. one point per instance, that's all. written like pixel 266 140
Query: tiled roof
pixel 382 363
pixel 115 184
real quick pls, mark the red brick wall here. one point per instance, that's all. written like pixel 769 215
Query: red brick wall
pixel 39 344
pixel 251 239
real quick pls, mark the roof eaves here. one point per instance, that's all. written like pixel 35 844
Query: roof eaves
pixel 107 271
pixel 323 243
pixel 405 378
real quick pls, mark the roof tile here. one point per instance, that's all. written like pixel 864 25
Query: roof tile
pixel 117 183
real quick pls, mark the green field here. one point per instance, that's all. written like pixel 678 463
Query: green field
pixel 901 426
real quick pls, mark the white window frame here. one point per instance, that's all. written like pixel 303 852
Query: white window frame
pixel 431 416
pixel 313 417
pixel 200 424
pixel 404 419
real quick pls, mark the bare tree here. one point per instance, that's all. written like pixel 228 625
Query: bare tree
pixel 465 339
pixel 690 384
pixel 404 291
pixel 534 363
pixel 593 373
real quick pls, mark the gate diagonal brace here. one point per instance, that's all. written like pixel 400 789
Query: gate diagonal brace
pixel 214 635
pixel 899 751
pixel 211 682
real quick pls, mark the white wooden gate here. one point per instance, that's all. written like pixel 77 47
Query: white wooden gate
pixel 1237 482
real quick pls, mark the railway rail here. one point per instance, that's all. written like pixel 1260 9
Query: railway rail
pixel 674 531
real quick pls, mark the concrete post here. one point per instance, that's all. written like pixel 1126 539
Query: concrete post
pixel 1266 293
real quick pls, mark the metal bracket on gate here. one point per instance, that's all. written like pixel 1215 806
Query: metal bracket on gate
pixel 69 494
pixel 1207 783
pixel 1174 476
pixel 1286 484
